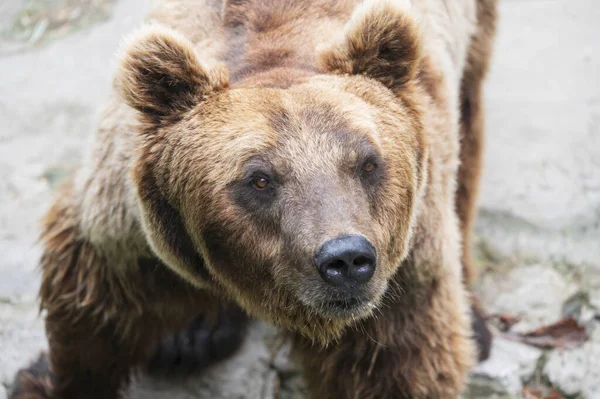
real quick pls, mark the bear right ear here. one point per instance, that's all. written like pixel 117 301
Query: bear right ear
pixel 161 76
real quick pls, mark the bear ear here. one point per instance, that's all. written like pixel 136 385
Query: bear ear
pixel 161 76
pixel 381 41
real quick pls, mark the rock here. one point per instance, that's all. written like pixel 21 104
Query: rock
pixel 283 363
pixel 581 308
pixel 291 383
pixel 536 293
pixel 575 305
pixel 592 286
pixel 292 388
pixel 595 301
pixel 3 394
pixel 540 191
pixel 510 364
pixel 577 371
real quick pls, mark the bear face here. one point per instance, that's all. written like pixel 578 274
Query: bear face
pixel 293 192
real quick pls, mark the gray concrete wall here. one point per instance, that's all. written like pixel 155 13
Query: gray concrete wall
pixel 541 186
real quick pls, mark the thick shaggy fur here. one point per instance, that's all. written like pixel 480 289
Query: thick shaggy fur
pixel 472 127
pixel 162 229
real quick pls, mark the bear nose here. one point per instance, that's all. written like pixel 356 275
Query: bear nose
pixel 346 261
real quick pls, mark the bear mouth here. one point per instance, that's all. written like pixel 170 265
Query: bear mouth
pixel 346 307
pixel 345 303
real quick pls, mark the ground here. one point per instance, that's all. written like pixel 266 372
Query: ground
pixel 538 232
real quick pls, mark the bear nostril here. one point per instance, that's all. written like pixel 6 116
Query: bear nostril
pixel 335 269
pixel 337 264
pixel 361 260
pixel 346 261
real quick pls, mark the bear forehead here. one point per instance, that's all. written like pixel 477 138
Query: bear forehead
pixel 323 123
pixel 271 118
pixel 299 124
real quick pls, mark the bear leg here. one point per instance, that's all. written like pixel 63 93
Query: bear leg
pixel 472 126
pixel 81 363
pixel 101 321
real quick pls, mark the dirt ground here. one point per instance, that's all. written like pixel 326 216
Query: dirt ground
pixel 538 232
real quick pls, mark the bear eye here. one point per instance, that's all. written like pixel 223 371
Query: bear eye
pixel 260 182
pixel 369 167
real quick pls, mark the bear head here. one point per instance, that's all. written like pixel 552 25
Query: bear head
pixel 295 200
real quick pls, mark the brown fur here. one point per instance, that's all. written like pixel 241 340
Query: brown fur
pixel 102 322
pixel 163 224
pixel 472 128
pixel 381 42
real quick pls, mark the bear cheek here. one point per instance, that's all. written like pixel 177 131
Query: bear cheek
pixel 238 257
pixel 392 231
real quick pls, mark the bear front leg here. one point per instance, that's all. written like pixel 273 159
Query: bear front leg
pixel 94 364
pixel 418 346
pixel 84 361
pixel 100 321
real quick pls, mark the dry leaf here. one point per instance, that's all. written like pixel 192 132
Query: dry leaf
pixel 566 333
pixel 554 395
pixel 530 393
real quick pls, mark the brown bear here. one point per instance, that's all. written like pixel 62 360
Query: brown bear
pixel 313 164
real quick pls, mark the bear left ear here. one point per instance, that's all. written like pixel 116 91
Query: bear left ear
pixel 161 76
pixel 381 41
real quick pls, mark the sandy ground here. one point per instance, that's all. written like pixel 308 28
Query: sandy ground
pixel 540 202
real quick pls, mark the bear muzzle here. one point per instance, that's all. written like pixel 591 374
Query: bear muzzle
pixel 347 264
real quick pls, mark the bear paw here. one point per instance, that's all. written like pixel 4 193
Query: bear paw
pixel 481 333
pixel 202 344
pixel 34 382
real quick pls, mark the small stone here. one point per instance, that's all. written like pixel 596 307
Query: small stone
pixel 574 305
pixel 291 383
pixel 292 388
pixel 595 301
pixel 577 371
pixel 509 365
pixel 480 387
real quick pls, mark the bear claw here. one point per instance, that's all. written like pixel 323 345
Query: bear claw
pixel 203 343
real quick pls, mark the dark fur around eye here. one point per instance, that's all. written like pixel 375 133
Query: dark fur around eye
pixel 376 174
pixel 251 196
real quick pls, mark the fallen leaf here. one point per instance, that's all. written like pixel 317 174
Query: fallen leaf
pixel 554 394
pixel 565 333
pixel 530 393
